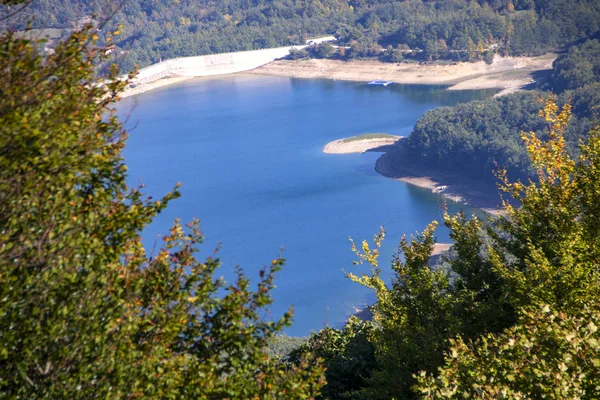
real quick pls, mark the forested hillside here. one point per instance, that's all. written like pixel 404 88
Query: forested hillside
pixel 451 29
pixel 472 138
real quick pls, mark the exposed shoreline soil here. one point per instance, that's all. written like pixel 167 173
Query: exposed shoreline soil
pixel 395 163
pixel 507 73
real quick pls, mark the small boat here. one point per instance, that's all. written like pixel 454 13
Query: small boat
pixel 380 82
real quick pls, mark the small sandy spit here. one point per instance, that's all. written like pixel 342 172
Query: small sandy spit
pixel 345 146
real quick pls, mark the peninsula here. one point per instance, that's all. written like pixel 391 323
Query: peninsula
pixel 395 164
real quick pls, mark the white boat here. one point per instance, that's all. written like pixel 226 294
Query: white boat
pixel 380 82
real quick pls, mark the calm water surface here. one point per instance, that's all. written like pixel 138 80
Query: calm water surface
pixel 248 150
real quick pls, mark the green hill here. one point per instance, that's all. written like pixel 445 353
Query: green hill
pixel 435 29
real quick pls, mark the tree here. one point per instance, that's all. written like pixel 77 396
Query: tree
pixel 431 50
pixel 549 355
pixel 162 29
pixel 483 310
pixel 546 250
pixel 348 354
pixel 397 54
pixel 84 311
pixel 322 50
pixel 298 54
pixel 580 66
pixel 472 138
pixel 442 47
pixel 413 315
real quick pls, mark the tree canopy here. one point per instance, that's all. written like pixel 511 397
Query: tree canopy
pixel 85 311
pixel 546 254
pixel 432 29
pixel 471 139
pixel 511 312
pixel 578 67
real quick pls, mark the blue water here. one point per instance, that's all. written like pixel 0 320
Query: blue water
pixel 248 151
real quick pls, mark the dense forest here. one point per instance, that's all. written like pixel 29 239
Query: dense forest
pixel 476 137
pixel 390 30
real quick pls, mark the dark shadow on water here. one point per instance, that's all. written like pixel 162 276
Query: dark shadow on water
pixel 541 80
pixel 416 93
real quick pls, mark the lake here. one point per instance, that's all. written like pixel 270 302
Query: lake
pixel 248 150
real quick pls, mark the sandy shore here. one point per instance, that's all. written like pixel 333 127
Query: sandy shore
pixel 509 73
pixel 141 88
pixel 396 164
pixel 345 146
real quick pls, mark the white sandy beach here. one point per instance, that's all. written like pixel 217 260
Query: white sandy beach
pixel 345 146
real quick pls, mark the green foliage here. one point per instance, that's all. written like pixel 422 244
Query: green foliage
pixel 549 354
pixel 298 54
pixel 547 255
pixel 282 345
pixel 547 249
pixel 369 136
pixel 394 55
pixel 460 30
pixel 84 311
pixel 348 354
pixel 413 315
pixel 472 138
pixel 11 2
pixel 585 101
pixel 322 50
pixel 543 253
pixel 579 67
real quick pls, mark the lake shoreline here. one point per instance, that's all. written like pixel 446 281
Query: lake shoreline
pixel 146 87
pixel 395 164
pixel 506 73
pixel 509 74
pixel 248 149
